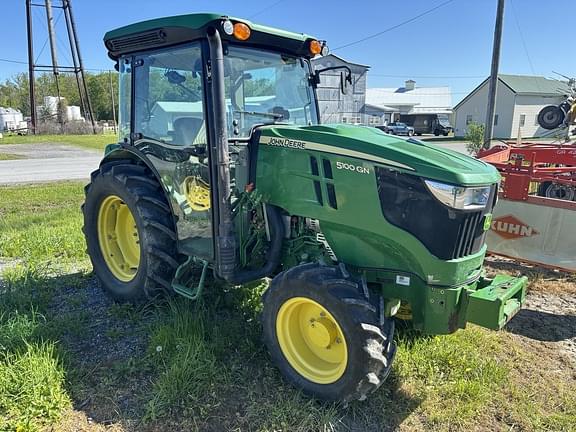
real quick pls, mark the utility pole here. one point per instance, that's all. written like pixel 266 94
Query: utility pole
pixel 55 69
pixel 494 75
pixel 77 68
pixel 31 78
pixel 70 17
pixel 113 101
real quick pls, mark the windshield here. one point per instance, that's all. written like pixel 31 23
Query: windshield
pixel 265 87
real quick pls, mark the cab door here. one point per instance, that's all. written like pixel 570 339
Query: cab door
pixel 168 127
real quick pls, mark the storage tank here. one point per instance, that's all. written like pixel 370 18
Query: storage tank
pixel 73 113
pixel 51 104
pixel 10 119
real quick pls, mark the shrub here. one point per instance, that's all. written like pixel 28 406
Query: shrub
pixel 474 137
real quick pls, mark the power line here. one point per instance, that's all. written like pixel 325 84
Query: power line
pixel 522 37
pixel 26 63
pixel 369 73
pixel 261 11
pixel 428 76
pixel 394 27
pixel 419 94
pixel 13 61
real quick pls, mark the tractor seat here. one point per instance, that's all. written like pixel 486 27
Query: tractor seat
pixel 186 129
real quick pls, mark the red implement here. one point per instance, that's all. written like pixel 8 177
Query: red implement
pixel 535 219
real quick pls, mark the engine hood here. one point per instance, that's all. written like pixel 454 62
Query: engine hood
pixel 371 144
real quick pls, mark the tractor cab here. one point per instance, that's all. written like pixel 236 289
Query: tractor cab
pixel 168 105
pixel 224 172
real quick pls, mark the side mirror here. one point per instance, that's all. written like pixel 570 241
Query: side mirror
pixel 345 81
pixel 345 77
pixel 174 77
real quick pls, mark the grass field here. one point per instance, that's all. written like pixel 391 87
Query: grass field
pixel 97 142
pixel 68 353
pixel 10 156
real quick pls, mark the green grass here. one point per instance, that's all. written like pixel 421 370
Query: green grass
pixel 185 360
pixel 10 156
pixel 97 142
pixel 32 378
pixel 42 222
pixel 32 390
pixel 203 366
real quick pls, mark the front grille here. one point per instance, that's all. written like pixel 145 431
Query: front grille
pixel 446 232
pixel 467 234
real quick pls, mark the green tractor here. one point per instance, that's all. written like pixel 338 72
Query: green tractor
pixel 223 170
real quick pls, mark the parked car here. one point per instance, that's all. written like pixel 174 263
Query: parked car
pixel 397 128
pixel 437 124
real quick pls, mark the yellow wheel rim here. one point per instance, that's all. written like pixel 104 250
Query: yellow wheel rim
pixel 311 340
pixel 118 238
pixel 197 194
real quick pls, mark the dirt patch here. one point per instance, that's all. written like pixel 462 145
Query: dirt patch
pixel 46 151
pixel 103 352
pixel 541 279
pixel 548 319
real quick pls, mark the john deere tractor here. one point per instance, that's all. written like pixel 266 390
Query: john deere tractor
pixel 223 171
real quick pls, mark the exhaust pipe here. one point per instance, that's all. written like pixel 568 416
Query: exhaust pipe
pixel 226 246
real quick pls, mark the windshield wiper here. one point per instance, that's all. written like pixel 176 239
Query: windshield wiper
pixel 262 114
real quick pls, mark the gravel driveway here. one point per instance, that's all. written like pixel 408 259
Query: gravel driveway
pixel 46 162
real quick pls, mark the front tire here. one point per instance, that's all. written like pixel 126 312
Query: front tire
pixel 129 232
pixel 325 335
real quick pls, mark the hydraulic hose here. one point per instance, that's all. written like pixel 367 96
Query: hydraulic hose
pixel 276 226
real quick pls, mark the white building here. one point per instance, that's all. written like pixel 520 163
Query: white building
pixel 11 119
pixel 388 104
pixel 519 99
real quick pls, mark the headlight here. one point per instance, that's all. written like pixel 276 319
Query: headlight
pixel 459 197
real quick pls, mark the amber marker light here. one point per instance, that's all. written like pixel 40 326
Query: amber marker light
pixel 315 47
pixel 241 31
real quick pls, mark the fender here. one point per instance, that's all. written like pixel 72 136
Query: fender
pixel 115 152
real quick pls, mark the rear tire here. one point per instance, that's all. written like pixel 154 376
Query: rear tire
pixel 550 117
pixel 135 189
pixel 356 326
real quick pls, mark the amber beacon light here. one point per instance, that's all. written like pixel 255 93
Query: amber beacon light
pixel 241 31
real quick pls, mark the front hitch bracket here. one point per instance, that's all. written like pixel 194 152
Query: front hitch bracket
pixel 495 301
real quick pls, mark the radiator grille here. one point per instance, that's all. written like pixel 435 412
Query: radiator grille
pixel 447 233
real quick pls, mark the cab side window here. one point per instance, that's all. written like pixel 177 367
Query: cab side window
pixel 168 95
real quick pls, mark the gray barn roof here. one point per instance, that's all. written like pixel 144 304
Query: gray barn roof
pixel 526 85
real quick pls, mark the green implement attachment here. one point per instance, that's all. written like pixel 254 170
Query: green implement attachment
pixel 496 301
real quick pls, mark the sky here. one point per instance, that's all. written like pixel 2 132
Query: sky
pixel 451 46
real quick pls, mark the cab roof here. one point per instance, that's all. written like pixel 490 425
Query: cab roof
pixel 167 31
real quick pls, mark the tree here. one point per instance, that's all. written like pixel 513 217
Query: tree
pixel 15 90
pixel 474 137
pixel 62 112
